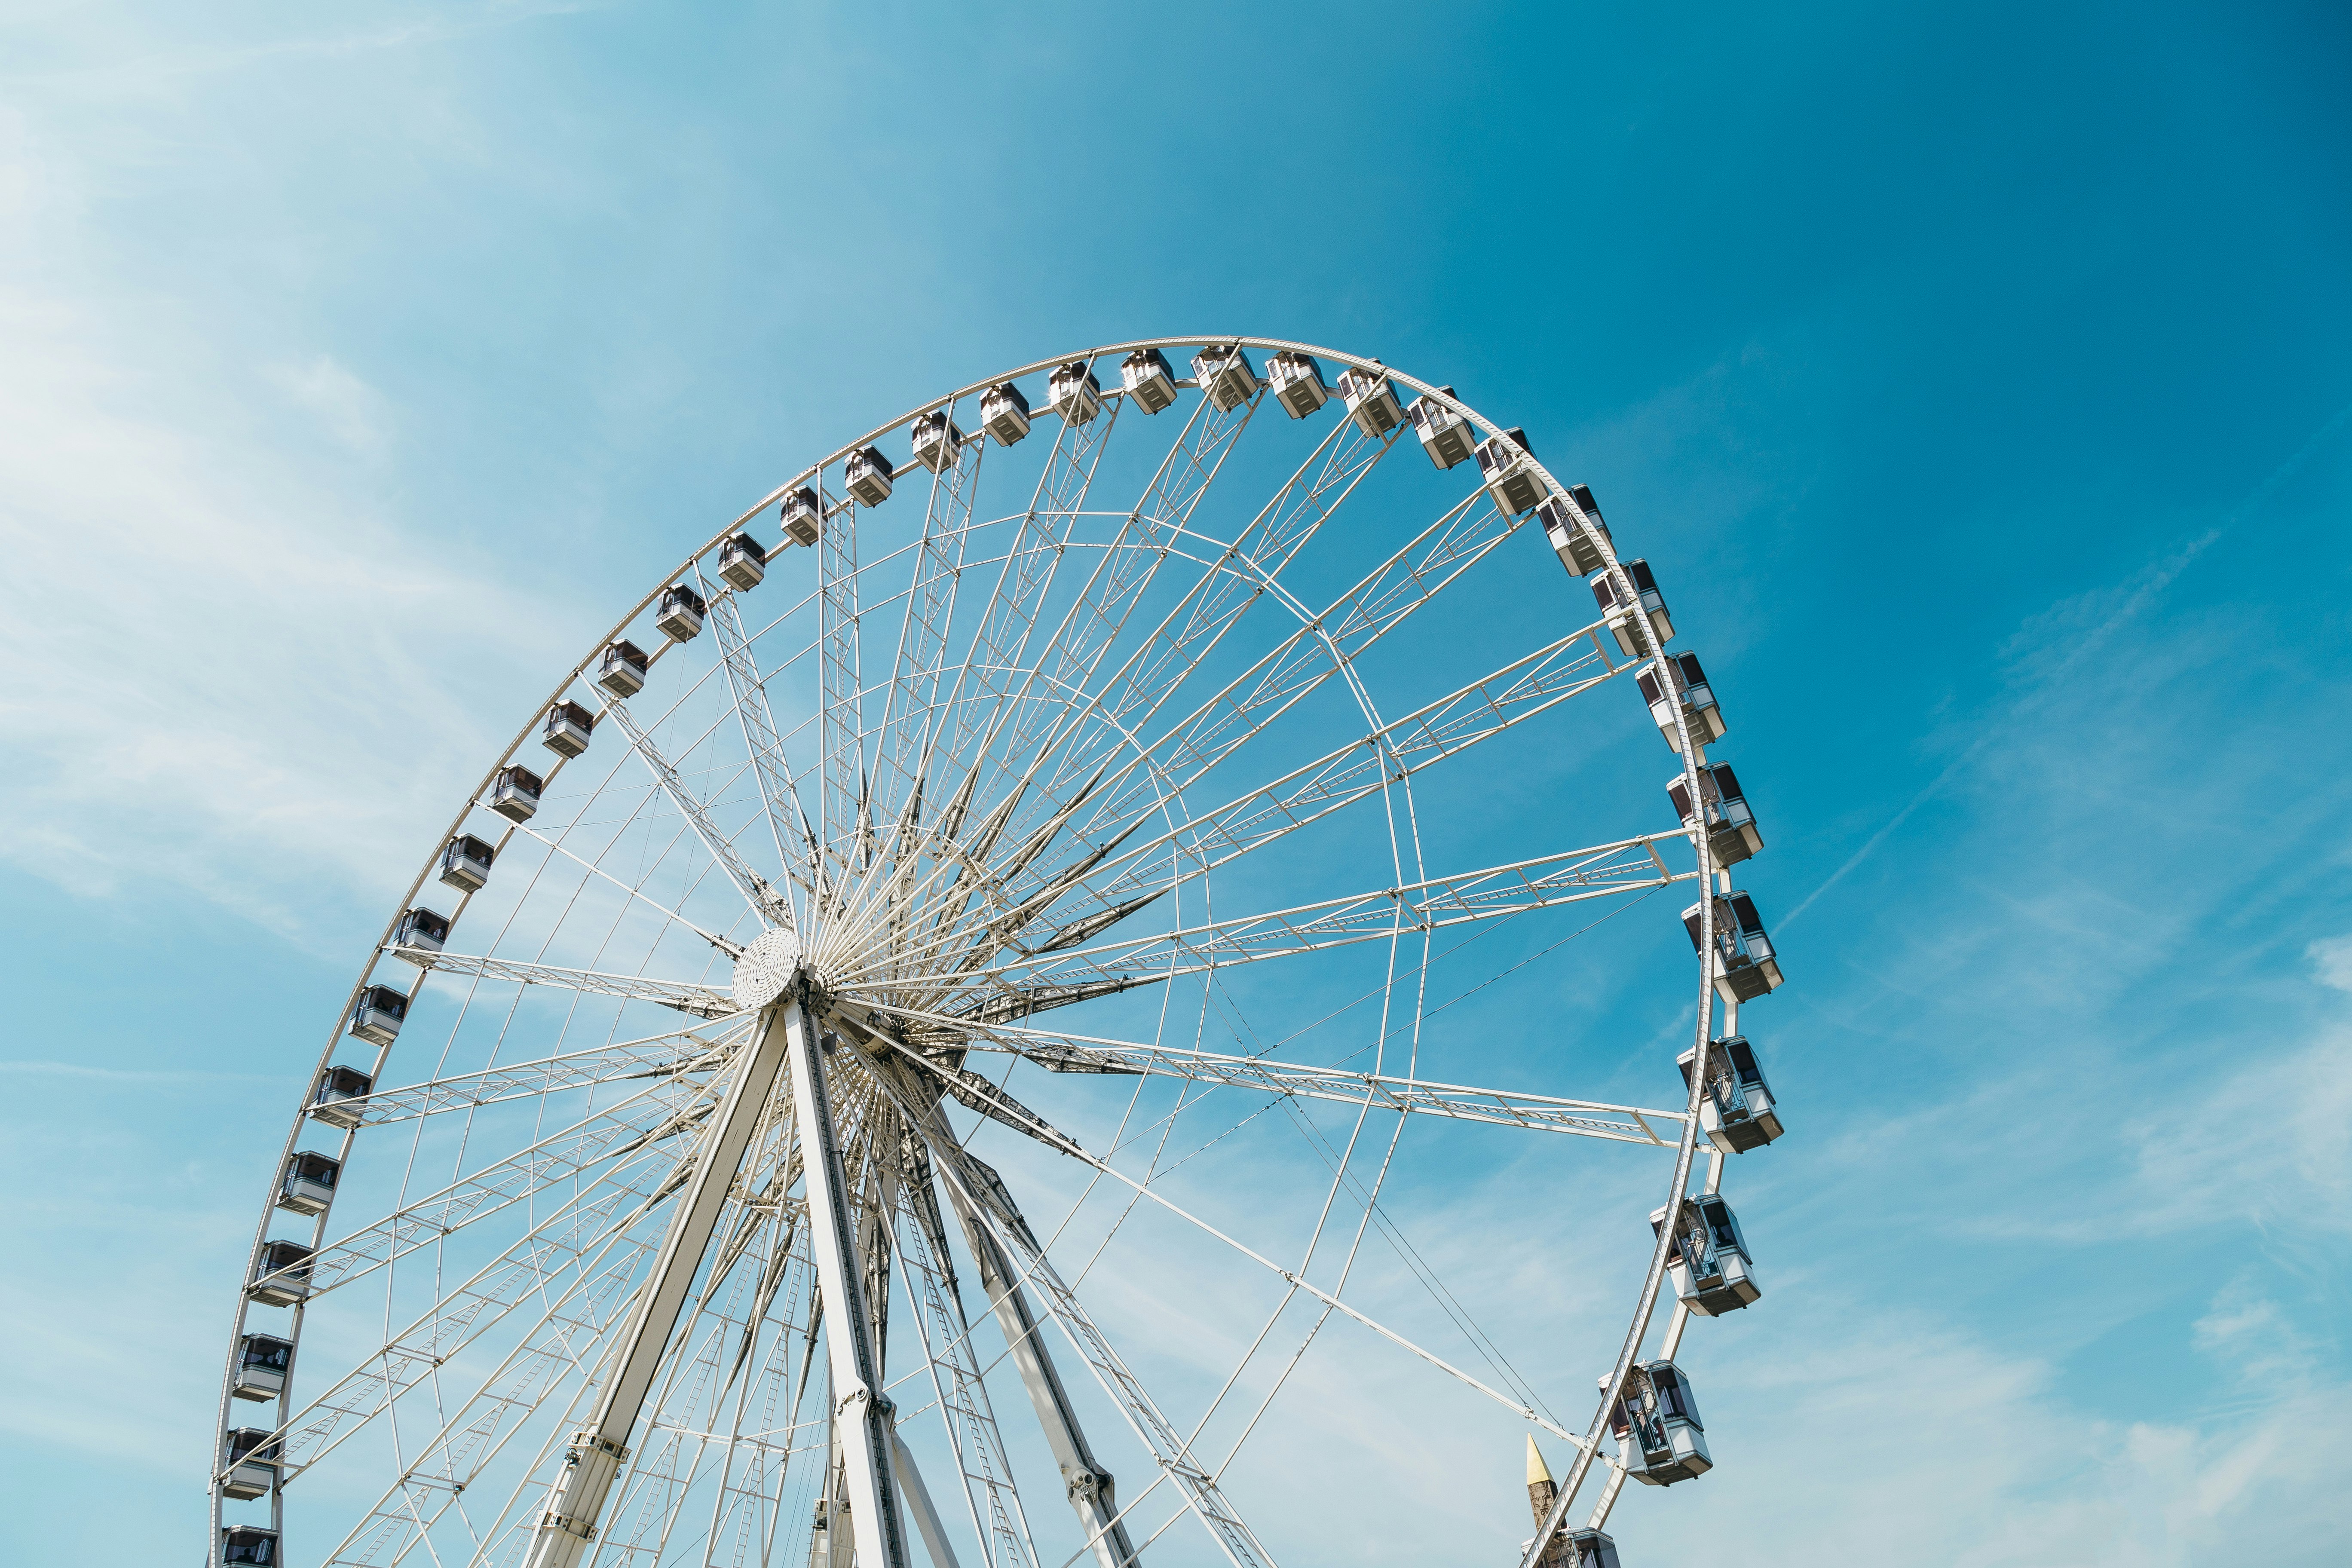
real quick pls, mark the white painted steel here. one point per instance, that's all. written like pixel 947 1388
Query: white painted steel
pixel 624 1244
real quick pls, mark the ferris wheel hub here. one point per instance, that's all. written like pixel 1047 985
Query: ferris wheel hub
pixel 767 969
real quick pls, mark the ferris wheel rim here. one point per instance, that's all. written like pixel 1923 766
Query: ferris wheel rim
pixel 1687 1140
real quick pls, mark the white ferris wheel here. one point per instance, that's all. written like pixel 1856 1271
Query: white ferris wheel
pixel 979 936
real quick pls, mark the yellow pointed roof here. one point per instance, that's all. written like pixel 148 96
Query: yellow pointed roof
pixel 1539 1473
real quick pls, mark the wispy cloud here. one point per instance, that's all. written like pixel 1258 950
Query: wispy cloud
pixel 224 661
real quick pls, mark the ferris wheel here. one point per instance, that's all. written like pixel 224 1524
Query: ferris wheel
pixel 912 1051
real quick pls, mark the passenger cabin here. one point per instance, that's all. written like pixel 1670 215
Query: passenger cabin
pixel 376 1016
pixel 466 862
pixel 742 562
pixel 936 440
pixel 1505 465
pixel 868 477
pixel 680 615
pixel 1004 413
pixel 281 1274
pixel 1148 380
pixel 422 928
pixel 1587 1548
pixel 804 519
pixel 1444 434
pixel 1072 391
pixel 1652 603
pixel 622 669
pixel 308 1184
pixel 244 1546
pixel 1659 1434
pixel 338 1087
pixel 1227 375
pixel 567 728
pixel 262 1363
pixel 1298 384
pixel 248 1464
pixel 1677 680
pixel 1731 833
pixel 1370 402
pixel 514 793
pixel 1574 525
pixel 1746 967
pixel 1712 1271
pixel 1737 1112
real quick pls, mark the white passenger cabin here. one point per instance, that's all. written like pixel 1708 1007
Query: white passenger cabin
pixel 308 1184
pixel 804 519
pixel 466 862
pixel 1226 374
pixel 1072 391
pixel 281 1273
pixel 567 728
pixel 742 562
pixel 1710 1267
pixel 338 1087
pixel 1659 1434
pixel 1148 380
pixel 245 1546
pixel 1444 434
pixel 1297 383
pixel 248 1464
pixel 1731 832
pixel 1587 1548
pixel 1505 466
pixel 377 1015
pixel 262 1363
pixel 1370 401
pixel 1677 681
pixel 680 615
pixel 1004 413
pixel 514 793
pixel 1653 604
pixel 936 440
pixel 1738 1112
pixel 1573 523
pixel 868 477
pixel 621 669
pixel 1746 966
pixel 423 928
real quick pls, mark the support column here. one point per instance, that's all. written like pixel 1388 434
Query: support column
pixel 600 1447
pixel 1087 1484
pixel 861 1414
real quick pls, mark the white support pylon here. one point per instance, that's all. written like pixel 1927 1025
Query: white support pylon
pixel 861 1414
pixel 600 1447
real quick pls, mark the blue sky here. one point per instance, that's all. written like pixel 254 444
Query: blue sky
pixel 1980 371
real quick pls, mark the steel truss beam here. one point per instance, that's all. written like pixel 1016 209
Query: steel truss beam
pixel 766 900
pixel 864 1434
pixel 700 1001
pixel 1628 865
pixel 602 1445
pixel 1500 1107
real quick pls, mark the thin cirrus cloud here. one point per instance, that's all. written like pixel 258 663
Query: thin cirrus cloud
pixel 277 677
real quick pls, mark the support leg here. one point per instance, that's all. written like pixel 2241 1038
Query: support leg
pixel 1088 1484
pixel 600 1447
pixel 861 1414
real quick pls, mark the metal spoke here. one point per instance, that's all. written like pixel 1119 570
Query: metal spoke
pixel 786 818
pixel 701 1001
pixel 1065 1053
pixel 765 900
pixel 651 1114
pixel 1030 981
pixel 673 1054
